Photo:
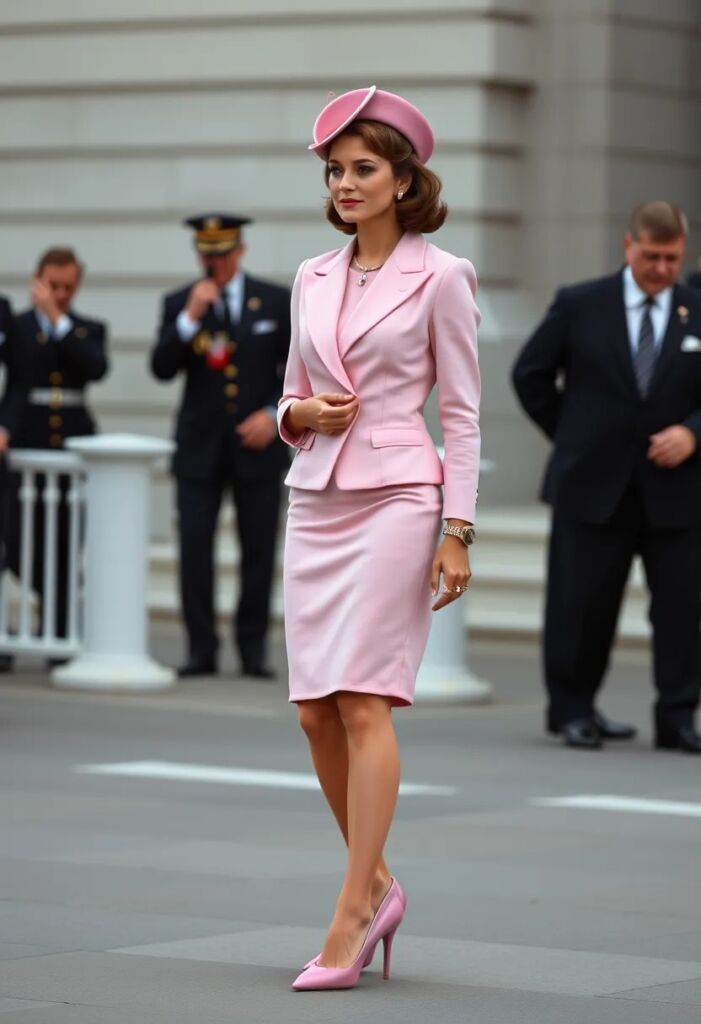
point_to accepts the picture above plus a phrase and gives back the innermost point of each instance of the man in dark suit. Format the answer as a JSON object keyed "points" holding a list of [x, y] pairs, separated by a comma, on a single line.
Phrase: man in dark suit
{"points": [[65, 352], [12, 408], [229, 334], [613, 377]]}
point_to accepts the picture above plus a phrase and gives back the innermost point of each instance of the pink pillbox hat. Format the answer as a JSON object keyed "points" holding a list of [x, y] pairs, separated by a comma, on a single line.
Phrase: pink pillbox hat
{"points": [[373, 104]]}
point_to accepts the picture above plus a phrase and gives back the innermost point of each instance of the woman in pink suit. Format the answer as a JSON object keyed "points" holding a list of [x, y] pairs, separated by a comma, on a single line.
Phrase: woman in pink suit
{"points": [[375, 325]]}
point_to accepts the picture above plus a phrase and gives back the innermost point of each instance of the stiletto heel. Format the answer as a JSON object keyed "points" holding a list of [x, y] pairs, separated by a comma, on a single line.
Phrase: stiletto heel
{"points": [[387, 943]]}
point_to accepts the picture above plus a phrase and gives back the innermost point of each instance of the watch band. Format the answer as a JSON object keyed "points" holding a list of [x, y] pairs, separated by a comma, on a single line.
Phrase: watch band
{"points": [[465, 533]]}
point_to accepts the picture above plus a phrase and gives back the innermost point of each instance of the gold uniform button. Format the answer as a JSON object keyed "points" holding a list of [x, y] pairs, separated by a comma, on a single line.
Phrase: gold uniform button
{"points": [[231, 371], [231, 407], [232, 346], [231, 390], [55, 378], [55, 440], [55, 422]]}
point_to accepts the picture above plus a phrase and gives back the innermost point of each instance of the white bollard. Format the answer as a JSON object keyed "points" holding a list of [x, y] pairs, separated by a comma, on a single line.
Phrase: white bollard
{"points": [[444, 676], [114, 654]]}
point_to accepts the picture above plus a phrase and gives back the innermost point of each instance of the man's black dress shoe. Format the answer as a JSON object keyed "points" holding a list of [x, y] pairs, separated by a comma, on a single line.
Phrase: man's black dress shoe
{"points": [[258, 671], [609, 730], [681, 737], [206, 667], [7, 662], [581, 733]]}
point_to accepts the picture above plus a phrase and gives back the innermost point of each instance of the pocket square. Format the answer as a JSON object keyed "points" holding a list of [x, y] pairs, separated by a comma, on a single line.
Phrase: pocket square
{"points": [[263, 326], [691, 344]]}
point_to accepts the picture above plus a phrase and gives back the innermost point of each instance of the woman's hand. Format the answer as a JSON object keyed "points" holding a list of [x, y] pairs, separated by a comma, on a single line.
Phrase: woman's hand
{"points": [[453, 563], [325, 413]]}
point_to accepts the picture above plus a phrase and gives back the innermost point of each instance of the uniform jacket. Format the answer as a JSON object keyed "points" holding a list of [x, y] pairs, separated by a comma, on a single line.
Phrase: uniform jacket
{"points": [[17, 380], [598, 422], [215, 401], [79, 358], [415, 326]]}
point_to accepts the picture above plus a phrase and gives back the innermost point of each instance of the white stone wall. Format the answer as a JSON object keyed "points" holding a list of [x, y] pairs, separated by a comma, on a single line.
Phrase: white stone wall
{"points": [[119, 119]]}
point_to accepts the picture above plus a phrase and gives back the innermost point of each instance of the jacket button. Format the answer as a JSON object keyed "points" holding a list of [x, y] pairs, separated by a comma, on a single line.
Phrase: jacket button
{"points": [[231, 390], [231, 371], [55, 378], [55, 422], [55, 440], [231, 407]]}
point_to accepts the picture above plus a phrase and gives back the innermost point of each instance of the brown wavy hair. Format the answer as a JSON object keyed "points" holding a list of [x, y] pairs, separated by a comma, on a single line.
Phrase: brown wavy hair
{"points": [[421, 209]]}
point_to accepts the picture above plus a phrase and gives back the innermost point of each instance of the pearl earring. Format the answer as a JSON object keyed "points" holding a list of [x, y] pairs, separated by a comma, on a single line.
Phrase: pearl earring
{"points": [[400, 195]]}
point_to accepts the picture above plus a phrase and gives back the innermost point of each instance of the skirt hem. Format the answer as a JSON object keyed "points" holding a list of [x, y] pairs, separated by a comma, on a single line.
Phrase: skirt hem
{"points": [[398, 700]]}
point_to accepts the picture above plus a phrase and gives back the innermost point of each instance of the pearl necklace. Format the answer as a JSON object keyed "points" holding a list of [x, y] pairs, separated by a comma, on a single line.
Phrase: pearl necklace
{"points": [[365, 271]]}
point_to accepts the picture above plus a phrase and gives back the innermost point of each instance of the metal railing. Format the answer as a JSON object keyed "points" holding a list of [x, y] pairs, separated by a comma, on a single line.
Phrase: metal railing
{"points": [[47, 479]]}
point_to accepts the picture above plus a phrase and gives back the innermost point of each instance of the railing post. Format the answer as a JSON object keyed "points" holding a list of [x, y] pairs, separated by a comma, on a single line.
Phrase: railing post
{"points": [[114, 654]]}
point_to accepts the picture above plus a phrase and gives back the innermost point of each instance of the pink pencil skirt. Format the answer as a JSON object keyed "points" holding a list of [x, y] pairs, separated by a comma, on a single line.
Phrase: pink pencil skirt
{"points": [[358, 589]]}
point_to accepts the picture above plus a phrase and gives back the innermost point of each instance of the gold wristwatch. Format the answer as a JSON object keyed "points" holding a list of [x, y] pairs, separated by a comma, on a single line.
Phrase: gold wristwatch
{"points": [[465, 533]]}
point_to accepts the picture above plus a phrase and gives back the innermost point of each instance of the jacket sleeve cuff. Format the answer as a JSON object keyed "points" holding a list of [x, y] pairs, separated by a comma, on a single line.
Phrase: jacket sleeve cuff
{"points": [[304, 440]]}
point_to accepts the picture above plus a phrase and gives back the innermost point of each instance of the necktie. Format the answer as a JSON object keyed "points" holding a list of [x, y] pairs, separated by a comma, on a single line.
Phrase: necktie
{"points": [[225, 314], [645, 355]]}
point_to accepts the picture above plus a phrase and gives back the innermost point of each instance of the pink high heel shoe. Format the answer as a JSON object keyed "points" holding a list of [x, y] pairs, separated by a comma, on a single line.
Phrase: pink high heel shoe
{"points": [[382, 928], [371, 953]]}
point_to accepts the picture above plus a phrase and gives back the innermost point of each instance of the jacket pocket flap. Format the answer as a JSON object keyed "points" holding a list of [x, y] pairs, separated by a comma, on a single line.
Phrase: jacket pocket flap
{"points": [[384, 437]]}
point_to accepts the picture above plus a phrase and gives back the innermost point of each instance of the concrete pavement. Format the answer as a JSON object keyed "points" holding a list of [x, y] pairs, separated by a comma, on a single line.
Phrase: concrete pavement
{"points": [[135, 900]]}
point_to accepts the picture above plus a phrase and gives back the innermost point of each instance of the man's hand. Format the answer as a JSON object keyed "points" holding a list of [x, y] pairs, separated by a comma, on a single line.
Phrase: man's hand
{"points": [[41, 297], [257, 431], [201, 297], [671, 447]]}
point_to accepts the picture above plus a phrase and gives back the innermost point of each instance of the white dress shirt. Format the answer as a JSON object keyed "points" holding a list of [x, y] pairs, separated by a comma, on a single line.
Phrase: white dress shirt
{"points": [[57, 331], [233, 290], [634, 299]]}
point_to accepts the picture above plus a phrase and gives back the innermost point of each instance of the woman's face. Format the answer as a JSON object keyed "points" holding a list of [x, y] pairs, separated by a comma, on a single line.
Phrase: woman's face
{"points": [[361, 183]]}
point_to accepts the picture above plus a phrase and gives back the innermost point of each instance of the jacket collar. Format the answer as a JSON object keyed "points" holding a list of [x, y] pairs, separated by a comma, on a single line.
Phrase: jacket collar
{"points": [[403, 273]]}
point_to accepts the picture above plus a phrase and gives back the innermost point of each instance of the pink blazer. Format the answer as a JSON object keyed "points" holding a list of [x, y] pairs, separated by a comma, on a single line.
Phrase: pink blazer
{"points": [[416, 326]]}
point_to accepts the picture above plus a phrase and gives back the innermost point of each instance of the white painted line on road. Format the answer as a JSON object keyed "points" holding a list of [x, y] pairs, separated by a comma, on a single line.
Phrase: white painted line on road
{"points": [[624, 804], [234, 776]]}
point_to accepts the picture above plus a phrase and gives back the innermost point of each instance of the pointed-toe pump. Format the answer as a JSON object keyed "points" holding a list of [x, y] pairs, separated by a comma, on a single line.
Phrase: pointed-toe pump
{"points": [[382, 928], [371, 953]]}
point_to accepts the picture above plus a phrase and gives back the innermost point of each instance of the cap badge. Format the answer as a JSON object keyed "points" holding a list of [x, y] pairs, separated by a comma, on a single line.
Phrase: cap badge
{"points": [[212, 224]]}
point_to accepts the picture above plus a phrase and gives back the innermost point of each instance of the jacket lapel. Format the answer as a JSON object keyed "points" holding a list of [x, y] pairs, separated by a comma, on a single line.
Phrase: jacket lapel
{"points": [[324, 287], [402, 275], [619, 341], [671, 344]]}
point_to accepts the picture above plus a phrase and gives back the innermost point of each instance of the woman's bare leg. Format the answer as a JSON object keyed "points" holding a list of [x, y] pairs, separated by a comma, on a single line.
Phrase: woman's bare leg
{"points": [[328, 745], [373, 784]]}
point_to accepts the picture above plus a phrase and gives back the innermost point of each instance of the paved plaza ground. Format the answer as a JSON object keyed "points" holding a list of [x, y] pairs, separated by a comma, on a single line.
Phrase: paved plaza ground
{"points": [[149, 898]]}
